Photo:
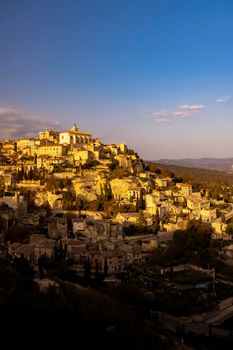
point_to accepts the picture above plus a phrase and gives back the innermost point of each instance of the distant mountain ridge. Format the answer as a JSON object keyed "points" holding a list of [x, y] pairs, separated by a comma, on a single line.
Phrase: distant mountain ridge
{"points": [[222, 164]]}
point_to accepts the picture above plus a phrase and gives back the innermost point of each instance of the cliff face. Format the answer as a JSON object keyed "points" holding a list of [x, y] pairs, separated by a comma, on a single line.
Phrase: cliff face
{"points": [[121, 187], [47, 197], [90, 185]]}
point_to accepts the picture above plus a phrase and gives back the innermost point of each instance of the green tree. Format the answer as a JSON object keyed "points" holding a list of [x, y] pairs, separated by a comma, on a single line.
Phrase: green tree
{"points": [[223, 219], [107, 192], [2, 186], [190, 245], [113, 165], [52, 183], [24, 268], [142, 203], [18, 233], [105, 267], [31, 174], [137, 204], [167, 173], [90, 164], [3, 225], [60, 252], [43, 263], [156, 222], [68, 200], [87, 271], [141, 222], [119, 173], [153, 167], [229, 229]]}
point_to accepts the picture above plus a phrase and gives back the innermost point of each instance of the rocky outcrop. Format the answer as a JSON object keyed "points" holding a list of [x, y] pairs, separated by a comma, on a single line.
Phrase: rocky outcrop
{"points": [[44, 197]]}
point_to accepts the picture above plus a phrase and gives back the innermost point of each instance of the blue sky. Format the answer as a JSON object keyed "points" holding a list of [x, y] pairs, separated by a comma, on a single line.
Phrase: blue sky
{"points": [[155, 74]]}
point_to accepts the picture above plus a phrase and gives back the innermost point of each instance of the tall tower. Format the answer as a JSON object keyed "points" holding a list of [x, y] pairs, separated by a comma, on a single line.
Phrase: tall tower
{"points": [[74, 127]]}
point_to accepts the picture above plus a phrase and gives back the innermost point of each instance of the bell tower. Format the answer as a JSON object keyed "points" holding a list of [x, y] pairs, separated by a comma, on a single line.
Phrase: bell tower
{"points": [[74, 128]]}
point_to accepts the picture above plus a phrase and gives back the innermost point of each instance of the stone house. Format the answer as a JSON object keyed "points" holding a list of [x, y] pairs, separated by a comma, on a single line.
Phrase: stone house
{"points": [[17, 250], [45, 247], [57, 227]]}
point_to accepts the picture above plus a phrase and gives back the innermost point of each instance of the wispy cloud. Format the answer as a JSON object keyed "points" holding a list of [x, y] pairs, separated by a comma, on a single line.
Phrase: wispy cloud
{"points": [[192, 107], [16, 123], [223, 99], [163, 120], [182, 114], [165, 115], [161, 113], [9, 110]]}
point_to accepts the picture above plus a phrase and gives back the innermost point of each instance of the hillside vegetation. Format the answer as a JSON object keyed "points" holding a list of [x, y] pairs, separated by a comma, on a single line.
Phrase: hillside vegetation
{"points": [[199, 175]]}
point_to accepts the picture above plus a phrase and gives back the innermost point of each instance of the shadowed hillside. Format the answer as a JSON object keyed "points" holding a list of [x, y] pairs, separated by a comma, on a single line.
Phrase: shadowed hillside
{"points": [[201, 175], [221, 164]]}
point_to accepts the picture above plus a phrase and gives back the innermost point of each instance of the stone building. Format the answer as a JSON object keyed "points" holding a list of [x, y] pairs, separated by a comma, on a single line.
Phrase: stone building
{"points": [[74, 137]]}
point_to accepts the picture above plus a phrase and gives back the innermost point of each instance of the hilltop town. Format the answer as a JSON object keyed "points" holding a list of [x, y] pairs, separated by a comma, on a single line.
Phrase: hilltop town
{"points": [[100, 202], [78, 215]]}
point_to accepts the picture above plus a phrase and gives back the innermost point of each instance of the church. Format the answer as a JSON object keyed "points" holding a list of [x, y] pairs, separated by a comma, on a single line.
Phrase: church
{"points": [[74, 137]]}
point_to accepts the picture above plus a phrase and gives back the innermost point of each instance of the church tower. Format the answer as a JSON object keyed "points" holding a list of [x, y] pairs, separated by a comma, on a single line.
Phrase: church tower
{"points": [[74, 128]]}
